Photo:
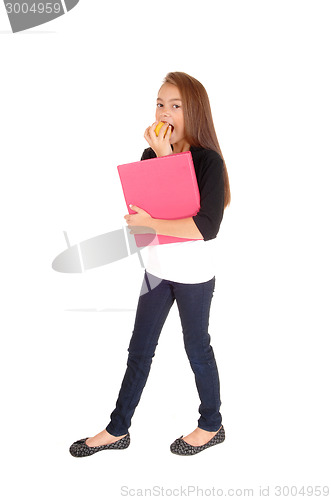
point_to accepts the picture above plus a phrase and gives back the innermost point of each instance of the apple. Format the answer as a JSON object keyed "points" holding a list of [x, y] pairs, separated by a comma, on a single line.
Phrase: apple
{"points": [[159, 126]]}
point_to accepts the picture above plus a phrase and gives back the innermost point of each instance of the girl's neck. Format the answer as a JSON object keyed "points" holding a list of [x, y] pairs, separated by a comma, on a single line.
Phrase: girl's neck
{"points": [[180, 147]]}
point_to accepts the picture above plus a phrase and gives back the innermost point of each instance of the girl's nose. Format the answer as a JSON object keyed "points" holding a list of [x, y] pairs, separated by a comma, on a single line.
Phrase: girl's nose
{"points": [[165, 112]]}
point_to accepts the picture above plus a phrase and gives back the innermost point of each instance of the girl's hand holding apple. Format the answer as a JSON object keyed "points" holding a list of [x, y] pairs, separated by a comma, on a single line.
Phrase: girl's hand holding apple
{"points": [[158, 137]]}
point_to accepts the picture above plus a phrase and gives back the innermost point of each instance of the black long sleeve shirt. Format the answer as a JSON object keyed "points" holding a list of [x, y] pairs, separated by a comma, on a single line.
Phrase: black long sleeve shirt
{"points": [[208, 165]]}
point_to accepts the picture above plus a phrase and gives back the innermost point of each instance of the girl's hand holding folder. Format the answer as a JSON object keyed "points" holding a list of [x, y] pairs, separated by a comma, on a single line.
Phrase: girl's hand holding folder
{"points": [[141, 219]]}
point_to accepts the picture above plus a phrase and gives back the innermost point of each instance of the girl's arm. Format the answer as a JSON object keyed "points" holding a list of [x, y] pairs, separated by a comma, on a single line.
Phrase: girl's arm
{"points": [[181, 228], [206, 223]]}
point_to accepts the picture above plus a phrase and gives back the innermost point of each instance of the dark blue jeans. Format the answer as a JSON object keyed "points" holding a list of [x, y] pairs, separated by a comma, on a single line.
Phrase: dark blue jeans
{"points": [[193, 303]]}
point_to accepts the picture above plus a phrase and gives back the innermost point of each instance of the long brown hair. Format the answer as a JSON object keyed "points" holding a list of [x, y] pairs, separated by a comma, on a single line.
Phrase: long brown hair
{"points": [[199, 125]]}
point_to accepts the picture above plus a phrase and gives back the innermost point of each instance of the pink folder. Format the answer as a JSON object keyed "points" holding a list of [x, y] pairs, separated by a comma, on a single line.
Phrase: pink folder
{"points": [[165, 187]]}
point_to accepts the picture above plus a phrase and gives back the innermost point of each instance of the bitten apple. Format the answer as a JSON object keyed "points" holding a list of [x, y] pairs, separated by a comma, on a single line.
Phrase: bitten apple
{"points": [[159, 126]]}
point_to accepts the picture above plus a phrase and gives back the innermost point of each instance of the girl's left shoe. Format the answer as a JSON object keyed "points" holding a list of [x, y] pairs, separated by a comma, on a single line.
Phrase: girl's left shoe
{"points": [[180, 447]]}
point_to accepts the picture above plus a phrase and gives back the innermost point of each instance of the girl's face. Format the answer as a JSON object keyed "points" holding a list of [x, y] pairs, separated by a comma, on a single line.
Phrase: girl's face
{"points": [[169, 109]]}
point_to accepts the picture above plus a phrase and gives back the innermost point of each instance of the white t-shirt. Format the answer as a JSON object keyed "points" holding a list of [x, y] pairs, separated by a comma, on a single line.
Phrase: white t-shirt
{"points": [[183, 262]]}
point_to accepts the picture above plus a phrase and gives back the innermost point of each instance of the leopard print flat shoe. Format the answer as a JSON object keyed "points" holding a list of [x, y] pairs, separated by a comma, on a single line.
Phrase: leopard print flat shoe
{"points": [[180, 447], [81, 449]]}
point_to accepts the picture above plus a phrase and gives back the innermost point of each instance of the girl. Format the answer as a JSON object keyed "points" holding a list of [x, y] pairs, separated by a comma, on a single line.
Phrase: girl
{"points": [[182, 271]]}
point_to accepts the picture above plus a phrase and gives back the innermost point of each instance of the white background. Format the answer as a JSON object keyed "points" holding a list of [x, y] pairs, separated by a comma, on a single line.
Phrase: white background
{"points": [[76, 96]]}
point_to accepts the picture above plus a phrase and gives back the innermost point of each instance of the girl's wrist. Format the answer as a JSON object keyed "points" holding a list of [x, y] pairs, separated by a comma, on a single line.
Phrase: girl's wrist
{"points": [[163, 152]]}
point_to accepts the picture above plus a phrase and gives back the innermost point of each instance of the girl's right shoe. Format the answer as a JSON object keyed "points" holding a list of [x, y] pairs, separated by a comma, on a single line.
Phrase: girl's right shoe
{"points": [[81, 449]]}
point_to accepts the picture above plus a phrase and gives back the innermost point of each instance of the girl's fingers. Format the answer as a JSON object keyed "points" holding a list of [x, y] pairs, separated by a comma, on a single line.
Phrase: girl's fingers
{"points": [[149, 131], [162, 131], [157, 141], [147, 135], [168, 133]]}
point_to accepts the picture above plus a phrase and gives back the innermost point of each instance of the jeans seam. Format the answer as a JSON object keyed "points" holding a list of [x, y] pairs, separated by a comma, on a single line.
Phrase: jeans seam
{"points": [[213, 374]]}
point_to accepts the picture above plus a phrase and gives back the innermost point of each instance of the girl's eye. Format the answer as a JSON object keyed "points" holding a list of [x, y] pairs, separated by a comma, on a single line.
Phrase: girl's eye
{"points": [[159, 105]]}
